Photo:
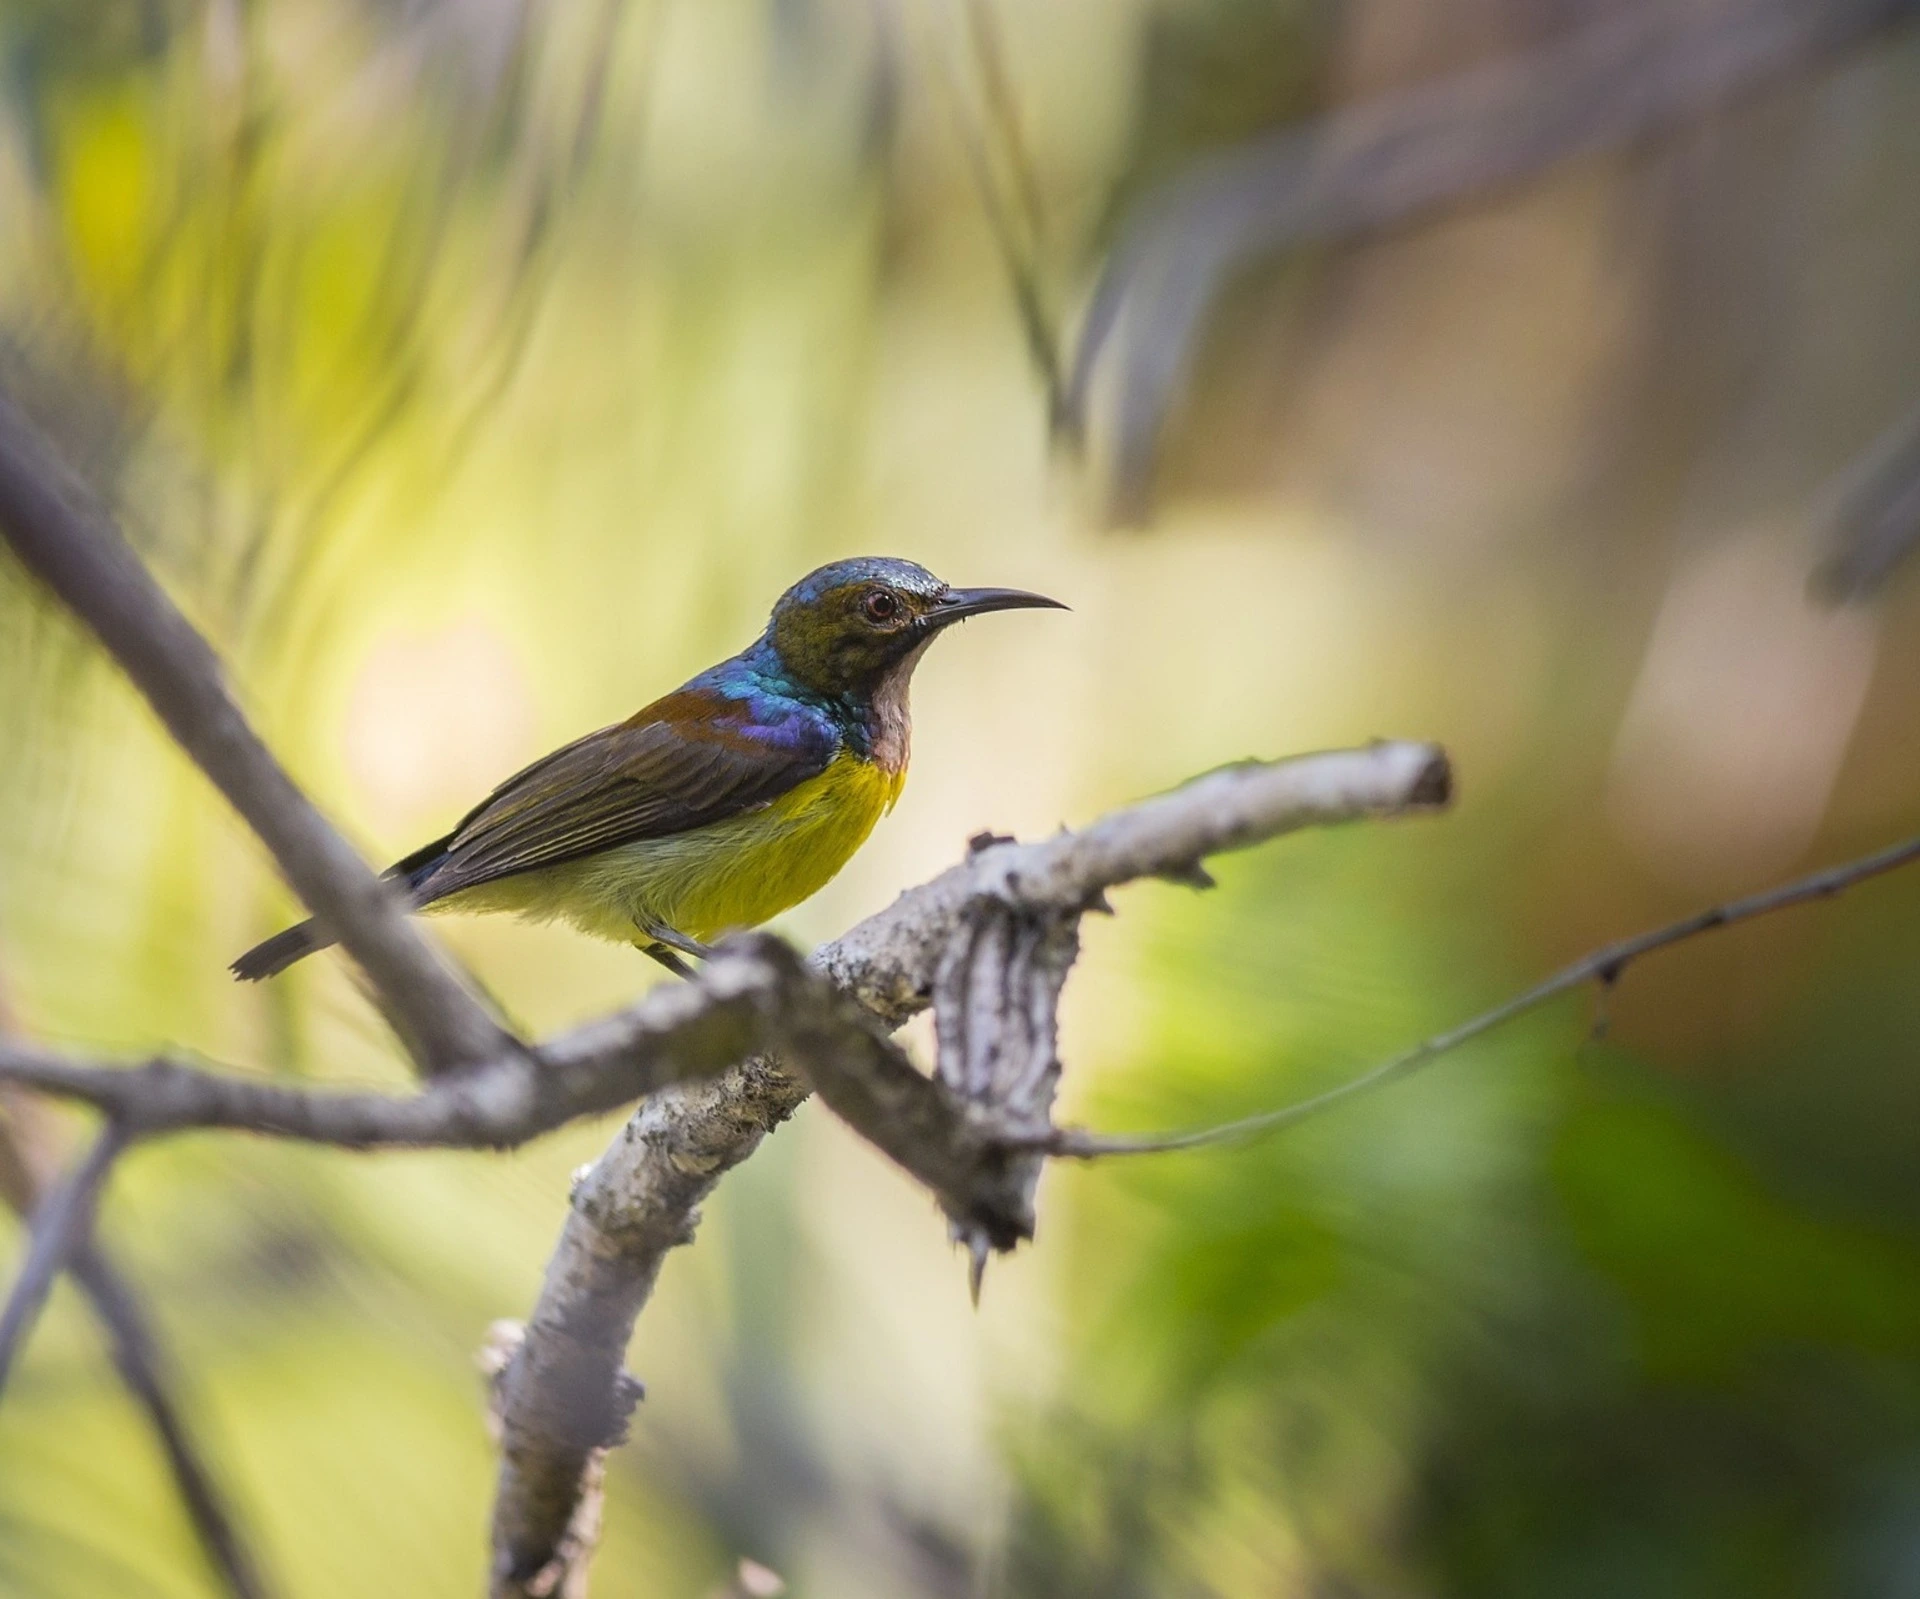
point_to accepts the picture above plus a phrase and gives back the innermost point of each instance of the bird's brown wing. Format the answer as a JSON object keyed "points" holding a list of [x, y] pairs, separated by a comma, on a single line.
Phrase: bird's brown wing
{"points": [[686, 761]]}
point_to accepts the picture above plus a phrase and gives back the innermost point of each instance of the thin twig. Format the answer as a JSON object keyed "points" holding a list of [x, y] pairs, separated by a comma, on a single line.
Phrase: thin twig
{"points": [[61, 1224], [140, 1360], [1604, 966]]}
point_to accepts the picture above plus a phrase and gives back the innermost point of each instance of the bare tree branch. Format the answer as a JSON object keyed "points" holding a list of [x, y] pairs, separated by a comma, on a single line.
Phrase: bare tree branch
{"points": [[676, 1031], [60, 1226], [889, 962], [565, 1574], [64, 537], [564, 1394], [1604, 966], [1630, 76]]}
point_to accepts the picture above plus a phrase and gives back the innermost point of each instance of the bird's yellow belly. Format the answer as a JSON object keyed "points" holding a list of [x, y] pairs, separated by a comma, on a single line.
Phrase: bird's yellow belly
{"points": [[712, 880]]}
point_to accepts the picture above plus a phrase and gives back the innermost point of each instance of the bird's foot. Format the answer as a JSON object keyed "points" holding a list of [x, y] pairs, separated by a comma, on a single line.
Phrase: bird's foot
{"points": [[668, 946], [667, 958]]}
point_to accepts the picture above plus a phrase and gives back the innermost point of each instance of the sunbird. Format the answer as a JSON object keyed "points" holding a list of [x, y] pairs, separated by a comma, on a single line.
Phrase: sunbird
{"points": [[718, 806]]}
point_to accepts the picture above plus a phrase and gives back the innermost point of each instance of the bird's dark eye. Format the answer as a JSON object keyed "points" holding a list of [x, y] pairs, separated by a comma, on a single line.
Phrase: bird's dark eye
{"points": [[881, 606]]}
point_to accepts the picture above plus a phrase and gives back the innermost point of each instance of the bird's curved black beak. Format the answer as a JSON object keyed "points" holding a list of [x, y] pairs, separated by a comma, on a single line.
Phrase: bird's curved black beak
{"points": [[956, 605]]}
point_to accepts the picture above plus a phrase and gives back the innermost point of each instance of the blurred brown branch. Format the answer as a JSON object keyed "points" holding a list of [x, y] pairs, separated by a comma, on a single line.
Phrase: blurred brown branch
{"points": [[1626, 78], [142, 1364], [1018, 223]]}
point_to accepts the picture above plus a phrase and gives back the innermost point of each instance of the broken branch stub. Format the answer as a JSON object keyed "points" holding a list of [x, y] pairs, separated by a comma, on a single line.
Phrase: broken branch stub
{"points": [[996, 1001]]}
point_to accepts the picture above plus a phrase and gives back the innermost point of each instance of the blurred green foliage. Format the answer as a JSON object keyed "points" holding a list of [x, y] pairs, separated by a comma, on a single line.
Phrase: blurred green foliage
{"points": [[1540, 1323]]}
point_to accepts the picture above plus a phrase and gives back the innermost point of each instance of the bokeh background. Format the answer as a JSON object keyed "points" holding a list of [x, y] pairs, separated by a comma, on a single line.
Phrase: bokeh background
{"points": [[474, 370]]}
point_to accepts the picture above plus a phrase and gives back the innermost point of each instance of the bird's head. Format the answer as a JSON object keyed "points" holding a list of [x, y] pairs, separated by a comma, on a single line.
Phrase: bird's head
{"points": [[848, 627]]}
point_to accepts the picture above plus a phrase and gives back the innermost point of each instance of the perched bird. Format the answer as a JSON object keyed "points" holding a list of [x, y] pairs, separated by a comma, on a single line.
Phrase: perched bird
{"points": [[717, 807]]}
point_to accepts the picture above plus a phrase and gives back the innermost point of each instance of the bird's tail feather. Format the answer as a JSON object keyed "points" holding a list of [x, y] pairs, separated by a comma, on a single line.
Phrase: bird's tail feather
{"points": [[279, 952], [305, 938]]}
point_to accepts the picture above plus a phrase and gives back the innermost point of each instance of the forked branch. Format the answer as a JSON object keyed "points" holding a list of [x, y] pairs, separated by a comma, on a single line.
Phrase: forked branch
{"points": [[141, 1361], [58, 1230], [564, 1393]]}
